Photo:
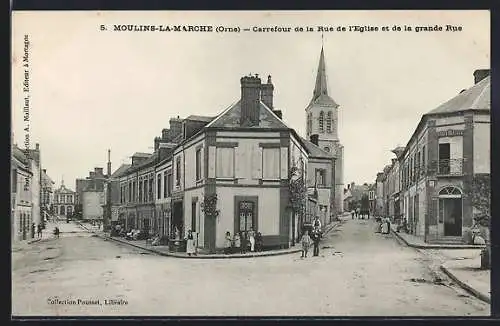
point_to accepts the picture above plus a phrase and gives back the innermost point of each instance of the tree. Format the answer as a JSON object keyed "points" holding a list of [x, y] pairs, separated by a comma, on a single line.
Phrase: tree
{"points": [[481, 201], [298, 193]]}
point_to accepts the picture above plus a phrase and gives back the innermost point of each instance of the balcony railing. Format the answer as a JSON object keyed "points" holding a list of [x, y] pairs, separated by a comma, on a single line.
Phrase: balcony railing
{"points": [[446, 167]]}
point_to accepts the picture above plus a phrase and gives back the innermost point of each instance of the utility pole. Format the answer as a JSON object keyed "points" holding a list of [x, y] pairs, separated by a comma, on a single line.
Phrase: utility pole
{"points": [[107, 214]]}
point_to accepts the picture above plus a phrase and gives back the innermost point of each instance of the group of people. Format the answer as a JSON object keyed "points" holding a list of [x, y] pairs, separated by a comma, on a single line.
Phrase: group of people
{"points": [[307, 240], [38, 228], [383, 225], [360, 215], [243, 241]]}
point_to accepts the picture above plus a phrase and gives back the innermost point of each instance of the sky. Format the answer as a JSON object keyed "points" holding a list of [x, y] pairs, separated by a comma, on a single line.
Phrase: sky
{"points": [[93, 90]]}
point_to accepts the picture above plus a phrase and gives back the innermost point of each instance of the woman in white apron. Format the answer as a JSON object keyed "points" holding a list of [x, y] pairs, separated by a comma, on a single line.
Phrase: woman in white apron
{"points": [[251, 238]]}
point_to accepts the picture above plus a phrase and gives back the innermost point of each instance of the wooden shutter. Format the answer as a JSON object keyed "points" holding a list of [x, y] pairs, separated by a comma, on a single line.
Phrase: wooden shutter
{"points": [[211, 161], [257, 163], [284, 163]]}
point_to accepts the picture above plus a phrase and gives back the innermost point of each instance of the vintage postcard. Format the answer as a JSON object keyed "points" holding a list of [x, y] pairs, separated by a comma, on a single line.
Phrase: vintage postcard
{"points": [[261, 163]]}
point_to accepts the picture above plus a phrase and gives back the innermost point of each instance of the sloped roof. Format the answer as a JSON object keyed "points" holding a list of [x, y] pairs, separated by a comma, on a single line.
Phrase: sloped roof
{"points": [[477, 97], [46, 178], [320, 93], [120, 170], [19, 154], [200, 118], [315, 151], [231, 118], [139, 154], [63, 189]]}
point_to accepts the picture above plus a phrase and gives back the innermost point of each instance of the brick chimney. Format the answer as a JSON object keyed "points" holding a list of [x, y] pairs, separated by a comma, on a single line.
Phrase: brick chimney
{"points": [[314, 139], [165, 133], [266, 93], [175, 127], [91, 174], [480, 74], [157, 143], [250, 100], [98, 172]]}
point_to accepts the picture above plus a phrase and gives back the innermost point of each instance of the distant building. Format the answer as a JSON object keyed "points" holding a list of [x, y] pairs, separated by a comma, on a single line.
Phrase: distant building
{"points": [[64, 201], [91, 196], [47, 196]]}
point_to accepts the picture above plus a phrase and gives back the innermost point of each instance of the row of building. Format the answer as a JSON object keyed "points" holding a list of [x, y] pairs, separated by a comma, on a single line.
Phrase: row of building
{"points": [[429, 183], [238, 164]]}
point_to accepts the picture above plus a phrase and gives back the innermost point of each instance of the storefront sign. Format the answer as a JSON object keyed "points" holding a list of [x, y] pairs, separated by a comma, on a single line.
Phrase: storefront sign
{"points": [[450, 133]]}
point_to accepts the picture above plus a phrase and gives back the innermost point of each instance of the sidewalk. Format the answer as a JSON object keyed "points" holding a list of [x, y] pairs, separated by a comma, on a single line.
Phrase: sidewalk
{"points": [[418, 242], [164, 251], [459, 262], [470, 277]]}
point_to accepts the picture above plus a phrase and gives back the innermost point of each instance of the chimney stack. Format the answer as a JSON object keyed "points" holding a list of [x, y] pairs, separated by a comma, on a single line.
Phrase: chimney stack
{"points": [[37, 146], [44, 171], [266, 93], [157, 143], [480, 74], [165, 133], [250, 100], [98, 172], [91, 174], [278, 113], [175, 127], [314, 139]]}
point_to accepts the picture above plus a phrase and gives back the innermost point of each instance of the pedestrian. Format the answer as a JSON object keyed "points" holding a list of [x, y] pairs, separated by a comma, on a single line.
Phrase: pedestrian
{"points": [[251, 238], [237, 242], [190, 247], [227, 243], [33, 231], [258, 242], [352, 213], [306, 242], [356, 212], [56, 232], [39, 231], [315, 238]]}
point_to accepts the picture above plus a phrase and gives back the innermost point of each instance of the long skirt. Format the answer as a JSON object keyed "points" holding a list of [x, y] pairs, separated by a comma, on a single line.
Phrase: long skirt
{"points": [[252, 243], [190, 248]]}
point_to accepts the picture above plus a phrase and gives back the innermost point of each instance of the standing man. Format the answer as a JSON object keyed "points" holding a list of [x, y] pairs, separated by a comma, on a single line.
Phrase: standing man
{"points": [[315, 238], [33, 231], [39, 231]]}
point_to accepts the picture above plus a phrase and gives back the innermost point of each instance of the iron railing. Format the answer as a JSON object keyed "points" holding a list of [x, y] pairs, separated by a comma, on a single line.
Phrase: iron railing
{"points": [[446, 167]]}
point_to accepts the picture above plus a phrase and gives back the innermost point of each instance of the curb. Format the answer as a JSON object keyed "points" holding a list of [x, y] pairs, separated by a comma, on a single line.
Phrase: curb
{"points": [[465, 286], [176, 255], [33, 241], [434, 246]]}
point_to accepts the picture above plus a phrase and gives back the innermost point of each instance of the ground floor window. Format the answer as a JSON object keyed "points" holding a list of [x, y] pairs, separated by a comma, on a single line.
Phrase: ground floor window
{"points": [[246, 216]]}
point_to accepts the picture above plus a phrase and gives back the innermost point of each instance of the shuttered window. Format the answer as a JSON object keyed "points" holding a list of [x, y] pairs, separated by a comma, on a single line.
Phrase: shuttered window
{"points": [[225, 162], [270, 163]]}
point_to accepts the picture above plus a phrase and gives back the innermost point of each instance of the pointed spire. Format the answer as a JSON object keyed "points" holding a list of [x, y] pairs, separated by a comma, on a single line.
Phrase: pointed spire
{"points": [[321, 87], [62, 180]]}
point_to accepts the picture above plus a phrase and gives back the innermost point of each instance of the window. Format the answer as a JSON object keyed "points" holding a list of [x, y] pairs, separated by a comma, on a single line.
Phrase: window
{"points": [[140, 191], [150, 192], [321, 121], [327, 149], [129, 191], [14, 180], [329, 122], [178, 172], [158, 186], [134, 191], [198, 164], [170, 183], [423, 156], [270, 163], [165, 184], [310, 122], [225, 162], [320, 177], [145, 195]]}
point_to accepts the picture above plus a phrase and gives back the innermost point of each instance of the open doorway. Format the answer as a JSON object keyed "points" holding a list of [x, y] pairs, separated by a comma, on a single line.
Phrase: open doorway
{"points": [[177, 219]]}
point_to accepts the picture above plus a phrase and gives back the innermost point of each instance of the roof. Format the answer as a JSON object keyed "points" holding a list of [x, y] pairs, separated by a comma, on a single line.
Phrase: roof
{"points": [[320, 93], [139, 154], [63, 189], [200, 118], [477, 97], [315, 151], [120, 170], [46, 178], [19, 154], [231, 118]]}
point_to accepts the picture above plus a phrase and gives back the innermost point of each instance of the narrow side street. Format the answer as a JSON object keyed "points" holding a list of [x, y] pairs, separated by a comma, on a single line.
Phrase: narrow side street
{"points": [[358, 273]]}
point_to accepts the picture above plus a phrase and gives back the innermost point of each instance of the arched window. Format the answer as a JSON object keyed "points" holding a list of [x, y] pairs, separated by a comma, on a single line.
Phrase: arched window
{"points": [[447, 191], [321, 121], [308, 123], [329, 122]]}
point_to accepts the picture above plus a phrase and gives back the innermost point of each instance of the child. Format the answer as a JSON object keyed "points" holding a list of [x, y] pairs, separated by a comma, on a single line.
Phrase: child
{"points": [[228, 243], [237, 243], [306, 242]]}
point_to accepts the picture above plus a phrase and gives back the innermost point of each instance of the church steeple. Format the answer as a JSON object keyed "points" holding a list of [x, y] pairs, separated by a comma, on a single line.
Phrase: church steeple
{"points": [[321, 87]]}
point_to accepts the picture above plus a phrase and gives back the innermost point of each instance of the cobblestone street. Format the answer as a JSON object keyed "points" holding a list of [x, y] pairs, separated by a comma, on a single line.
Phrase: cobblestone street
{"points": [[358, 273]]}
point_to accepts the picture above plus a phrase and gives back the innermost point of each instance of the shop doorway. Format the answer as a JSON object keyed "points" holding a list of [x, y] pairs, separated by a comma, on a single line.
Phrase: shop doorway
{"points": [[450, 211]]}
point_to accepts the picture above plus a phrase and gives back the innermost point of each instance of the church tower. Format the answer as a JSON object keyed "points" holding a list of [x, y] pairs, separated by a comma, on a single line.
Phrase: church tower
{"points": [[322, 120]]}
